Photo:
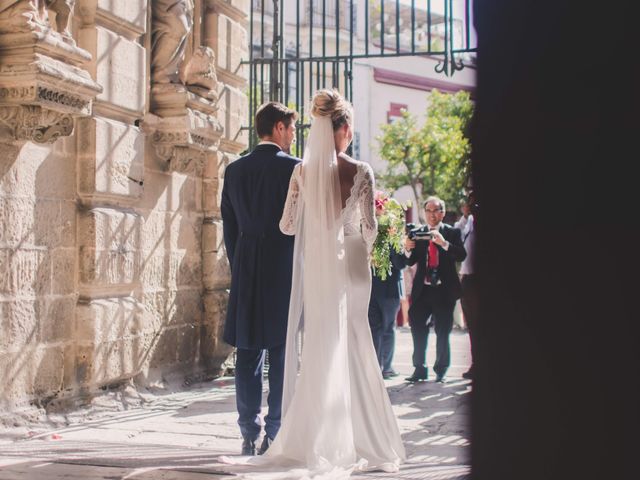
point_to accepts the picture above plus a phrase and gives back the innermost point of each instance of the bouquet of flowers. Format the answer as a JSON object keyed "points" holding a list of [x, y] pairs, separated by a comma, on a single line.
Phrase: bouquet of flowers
{"points": [[390, 215]]}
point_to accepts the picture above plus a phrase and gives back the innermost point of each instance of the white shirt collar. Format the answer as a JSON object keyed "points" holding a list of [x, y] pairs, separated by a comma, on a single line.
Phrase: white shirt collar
{"points": [[265, 142], [437, 227]]}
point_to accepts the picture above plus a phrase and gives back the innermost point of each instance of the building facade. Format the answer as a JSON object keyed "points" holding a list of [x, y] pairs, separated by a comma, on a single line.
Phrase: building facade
{"points": [[117, 118]]}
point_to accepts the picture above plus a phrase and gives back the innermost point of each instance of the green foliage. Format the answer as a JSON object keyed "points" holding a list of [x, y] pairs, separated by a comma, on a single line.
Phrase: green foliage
{"points": [[390, 216], [433, 159]]}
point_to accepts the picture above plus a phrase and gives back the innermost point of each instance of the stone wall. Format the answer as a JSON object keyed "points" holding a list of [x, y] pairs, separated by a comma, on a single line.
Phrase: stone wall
{"points": [[112, 265]]}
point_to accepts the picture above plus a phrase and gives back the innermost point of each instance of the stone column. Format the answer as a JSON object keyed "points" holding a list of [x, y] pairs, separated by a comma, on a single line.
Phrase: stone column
{"points": [[111, 340], [45, 87], [225, 32]]}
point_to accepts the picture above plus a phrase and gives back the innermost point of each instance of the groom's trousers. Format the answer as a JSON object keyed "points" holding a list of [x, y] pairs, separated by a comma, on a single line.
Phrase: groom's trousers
{"points": [[249, 368], [433, 302]]}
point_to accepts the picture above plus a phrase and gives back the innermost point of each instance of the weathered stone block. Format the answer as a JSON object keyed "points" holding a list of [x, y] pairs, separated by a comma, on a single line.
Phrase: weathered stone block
{"points": [[63, 278], [68, 223], [210, 171], [190, 270], [213, 184], [36, 168], [110, 229], [25, 272], [47, 223], [132, 12], [19, 324], [159, 193], [31, 372], [49, 372], [216, 35], [160, 307], [188, 194], [164, 348], [172, 307], [108, 362], [108, 267], [210, 202], [214, 351], [5, 341], [189, 306], [160, 271], [188, 339], [216, 271], [16, 218], [163, 232], [111, 158], [109, 320], [109, 246], [212, 236], [232, 113], [56, 316], [29, 222], [121, 70], [156, 233], [228, 38], [237, 47], [242, 5]]}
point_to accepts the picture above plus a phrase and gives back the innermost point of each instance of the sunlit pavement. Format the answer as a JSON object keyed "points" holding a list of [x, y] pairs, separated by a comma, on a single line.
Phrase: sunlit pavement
{"points": [[179, 435]]}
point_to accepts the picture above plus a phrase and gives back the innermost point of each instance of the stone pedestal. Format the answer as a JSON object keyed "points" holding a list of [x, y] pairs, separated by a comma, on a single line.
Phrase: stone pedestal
{"points": [[43, 86], [186, 129]]}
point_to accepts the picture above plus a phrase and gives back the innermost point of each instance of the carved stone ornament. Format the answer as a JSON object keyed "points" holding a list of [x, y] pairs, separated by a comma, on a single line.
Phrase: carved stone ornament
{"points": [[172, 22], [43, 85], [22, 16], [36, 124], [184, 142], [199, 70]]}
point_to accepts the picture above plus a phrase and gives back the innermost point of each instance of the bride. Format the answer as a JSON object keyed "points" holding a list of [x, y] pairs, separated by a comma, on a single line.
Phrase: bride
{"points": [[337, 416]]}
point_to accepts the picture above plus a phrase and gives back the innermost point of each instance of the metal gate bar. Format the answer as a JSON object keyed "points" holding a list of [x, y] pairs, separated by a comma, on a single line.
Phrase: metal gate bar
{"points": [[280, 70]]}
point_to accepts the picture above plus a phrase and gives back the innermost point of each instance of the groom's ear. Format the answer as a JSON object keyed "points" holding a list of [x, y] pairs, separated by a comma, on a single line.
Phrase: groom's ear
{"points": [[279, 126]]}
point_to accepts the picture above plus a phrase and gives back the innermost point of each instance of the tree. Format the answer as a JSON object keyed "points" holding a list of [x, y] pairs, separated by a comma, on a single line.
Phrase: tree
{"points": [[433, 159]]}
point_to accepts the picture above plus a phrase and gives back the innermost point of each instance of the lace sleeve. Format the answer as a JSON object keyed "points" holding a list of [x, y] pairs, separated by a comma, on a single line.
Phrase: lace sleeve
{"points": [[367, 208], [289, 220]]}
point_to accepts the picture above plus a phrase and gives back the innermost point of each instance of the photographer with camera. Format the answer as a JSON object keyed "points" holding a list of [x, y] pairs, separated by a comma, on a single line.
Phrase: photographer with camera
{"points": [[435, 248]]}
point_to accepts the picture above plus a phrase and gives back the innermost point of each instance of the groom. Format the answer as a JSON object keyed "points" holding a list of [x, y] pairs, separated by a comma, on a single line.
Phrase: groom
{"points": [[253, 197]]}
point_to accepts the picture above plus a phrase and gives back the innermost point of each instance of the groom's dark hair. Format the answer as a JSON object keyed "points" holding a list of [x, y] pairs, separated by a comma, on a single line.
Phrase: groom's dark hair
{"points": [[268, 114]]}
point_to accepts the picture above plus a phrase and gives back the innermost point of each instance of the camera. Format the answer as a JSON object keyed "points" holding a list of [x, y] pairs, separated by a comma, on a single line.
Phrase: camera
{"points": [[418, 233]]}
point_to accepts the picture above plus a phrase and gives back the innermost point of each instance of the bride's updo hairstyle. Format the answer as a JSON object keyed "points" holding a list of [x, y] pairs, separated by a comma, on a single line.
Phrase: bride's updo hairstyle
{"points": [[329, 103]]}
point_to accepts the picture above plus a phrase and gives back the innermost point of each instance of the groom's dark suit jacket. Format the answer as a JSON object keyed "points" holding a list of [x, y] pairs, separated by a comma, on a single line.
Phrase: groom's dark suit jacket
{"points": [[447, 263], [253, 197]]}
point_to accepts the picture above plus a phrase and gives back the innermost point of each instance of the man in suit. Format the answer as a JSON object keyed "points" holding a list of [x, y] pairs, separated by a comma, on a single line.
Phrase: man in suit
{"points": [[383, 308], [253, 196], [435, 290]]}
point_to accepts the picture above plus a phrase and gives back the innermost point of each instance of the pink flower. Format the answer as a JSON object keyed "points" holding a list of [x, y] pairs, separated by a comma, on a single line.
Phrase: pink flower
{"points": [[381, 199]]}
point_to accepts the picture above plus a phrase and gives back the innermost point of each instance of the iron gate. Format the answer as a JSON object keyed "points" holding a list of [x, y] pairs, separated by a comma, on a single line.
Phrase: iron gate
{"points": [[313, 43]]}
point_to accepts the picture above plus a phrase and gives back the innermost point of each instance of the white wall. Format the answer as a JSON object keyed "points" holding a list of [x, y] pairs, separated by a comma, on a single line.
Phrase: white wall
{"points": [[372, 101]]}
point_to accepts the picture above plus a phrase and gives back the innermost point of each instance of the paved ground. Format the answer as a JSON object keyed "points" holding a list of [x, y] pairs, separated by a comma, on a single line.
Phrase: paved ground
{"points": [[178, 435]]}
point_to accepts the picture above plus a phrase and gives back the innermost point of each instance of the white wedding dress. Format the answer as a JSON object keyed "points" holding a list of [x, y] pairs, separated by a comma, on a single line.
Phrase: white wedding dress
{"points": [[337, 416]]}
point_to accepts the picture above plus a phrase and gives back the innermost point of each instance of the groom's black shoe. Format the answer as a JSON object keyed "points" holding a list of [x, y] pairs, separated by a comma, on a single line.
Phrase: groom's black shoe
{"points": [[248, 447], [419, 375], [266, 443]]}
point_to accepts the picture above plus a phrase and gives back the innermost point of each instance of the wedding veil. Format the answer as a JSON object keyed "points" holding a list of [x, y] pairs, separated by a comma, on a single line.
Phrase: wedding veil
{"points": [[317, 329]]}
